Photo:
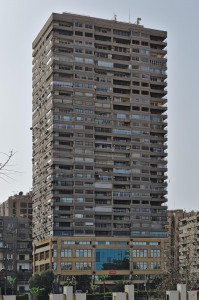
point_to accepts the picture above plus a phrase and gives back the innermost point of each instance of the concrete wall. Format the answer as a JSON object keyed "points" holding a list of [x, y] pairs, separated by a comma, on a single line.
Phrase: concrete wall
{"points": [[192, 295], [119, 296], [129, 289], [181, 288], [68, 291], [172, 295], [80, 296]]}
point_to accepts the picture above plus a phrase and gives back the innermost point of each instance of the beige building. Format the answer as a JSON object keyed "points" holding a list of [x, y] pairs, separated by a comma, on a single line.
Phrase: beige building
{"points": [[99, 147], [188, 245], [17, 206], [172, 251]]}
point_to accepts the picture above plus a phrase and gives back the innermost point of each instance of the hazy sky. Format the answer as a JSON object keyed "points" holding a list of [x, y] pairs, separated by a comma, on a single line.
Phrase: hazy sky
{"points": [[21, 20]]}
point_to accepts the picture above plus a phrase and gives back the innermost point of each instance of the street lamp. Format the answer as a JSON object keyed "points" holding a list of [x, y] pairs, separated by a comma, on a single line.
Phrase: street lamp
{"points": [[74, 282], [145, 283]]}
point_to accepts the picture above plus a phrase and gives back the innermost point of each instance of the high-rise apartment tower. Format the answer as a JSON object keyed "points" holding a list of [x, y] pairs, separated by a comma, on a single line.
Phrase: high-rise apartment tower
{"points": [[99, 143]]}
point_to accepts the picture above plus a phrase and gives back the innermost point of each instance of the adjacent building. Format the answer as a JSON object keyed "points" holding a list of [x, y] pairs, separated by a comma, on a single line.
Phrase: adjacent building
{"points": [[189, 246], [99, 148], [15, 253], [16, 242], [19, 205], [172, 249]]}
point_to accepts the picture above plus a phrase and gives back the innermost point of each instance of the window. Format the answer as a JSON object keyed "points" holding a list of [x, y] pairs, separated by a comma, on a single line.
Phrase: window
{"points": [[140, 265], [66, 253], [83, 253], [88, 34], [83, 242], [21, 257], [89, 26], [139, 243], [112, 259], [155, 265], [54, 253], [155, 252], [66, 266], [69, 242], [79, 33], [79, 216], [77, 24], [104, 64], [83, 265], [22, 225], [140, 253]]}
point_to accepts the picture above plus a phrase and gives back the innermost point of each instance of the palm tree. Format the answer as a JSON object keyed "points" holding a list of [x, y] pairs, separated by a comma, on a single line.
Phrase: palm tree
{"points": [[103, 278], [12, 281], [35, 292], [94, 288]]}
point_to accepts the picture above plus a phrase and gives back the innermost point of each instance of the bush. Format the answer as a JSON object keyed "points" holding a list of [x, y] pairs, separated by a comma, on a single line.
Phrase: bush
{"points": [[22, 297]]}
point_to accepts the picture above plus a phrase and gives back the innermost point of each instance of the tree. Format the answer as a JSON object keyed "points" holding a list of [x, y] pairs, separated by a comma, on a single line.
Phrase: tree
{"points": [[181, 254], [83, 282], [5, 168], [12, 281], [94, 288], [35, 292], [119, 285], [185, 270], [103, 278], [43, 281]]}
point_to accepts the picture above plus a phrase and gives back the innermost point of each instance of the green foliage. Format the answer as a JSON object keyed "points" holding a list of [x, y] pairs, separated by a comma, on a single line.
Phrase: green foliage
{"points": [[12, 281], [22, 297], [99, 296], [43, 281], [94, 288], [69, 283], [119, 285], [103, 277], [83, 282], [35, 292]]}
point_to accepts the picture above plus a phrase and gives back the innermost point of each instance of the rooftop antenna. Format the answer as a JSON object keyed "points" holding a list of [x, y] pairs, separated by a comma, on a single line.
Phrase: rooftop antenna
{"points": [[129, 15], [115, 17], [138, 21]]}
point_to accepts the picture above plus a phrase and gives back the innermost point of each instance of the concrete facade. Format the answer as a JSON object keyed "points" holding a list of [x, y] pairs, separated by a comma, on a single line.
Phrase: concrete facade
{"points": [[99, 136], [17, 206], [188, 246], [15, 252], [172, 249]]}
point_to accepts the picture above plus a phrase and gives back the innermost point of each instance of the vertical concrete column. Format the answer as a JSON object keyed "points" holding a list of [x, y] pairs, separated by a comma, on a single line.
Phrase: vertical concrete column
{"points": [[118, 296], [172, 295], [129, 289], [192, 295], [181, 288], [68, 291], [80, 296]]}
